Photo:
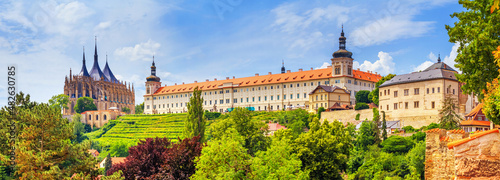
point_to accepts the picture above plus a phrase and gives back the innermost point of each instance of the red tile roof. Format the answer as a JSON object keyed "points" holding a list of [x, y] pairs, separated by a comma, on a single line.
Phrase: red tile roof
{"points": [[93, 152], [475, 123], [275, 126], [265, 79], [117, 160], [470, 138]]}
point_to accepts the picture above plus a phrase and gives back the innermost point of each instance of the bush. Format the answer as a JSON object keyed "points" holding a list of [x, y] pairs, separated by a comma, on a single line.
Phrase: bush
{"points": [[409, 129], [211, 115], [397, 144], [419, 136], [432, 126], [357, 116], [360, 106]]}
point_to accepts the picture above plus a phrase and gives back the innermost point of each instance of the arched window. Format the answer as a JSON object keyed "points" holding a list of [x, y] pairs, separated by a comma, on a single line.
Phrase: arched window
{"points": [[104, 117]]}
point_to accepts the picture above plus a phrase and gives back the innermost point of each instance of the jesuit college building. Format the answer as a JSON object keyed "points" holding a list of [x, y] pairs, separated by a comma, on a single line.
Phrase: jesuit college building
{"points": [[268, 92]]}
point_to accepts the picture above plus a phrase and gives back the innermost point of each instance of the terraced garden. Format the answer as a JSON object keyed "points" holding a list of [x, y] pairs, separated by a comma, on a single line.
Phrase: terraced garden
{"points": [[132, 128]]}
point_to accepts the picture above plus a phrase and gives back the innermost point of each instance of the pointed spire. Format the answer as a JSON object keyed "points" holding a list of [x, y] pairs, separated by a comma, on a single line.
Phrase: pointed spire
{"points": [[439, 57], [342, 33], [96, 72], [84, 71], [153, 60], [283, 66]]}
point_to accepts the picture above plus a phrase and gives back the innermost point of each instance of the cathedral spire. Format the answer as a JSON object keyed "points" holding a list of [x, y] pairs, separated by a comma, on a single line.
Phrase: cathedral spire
{"points": [[283, 66], [95, 72], [84, 71]]}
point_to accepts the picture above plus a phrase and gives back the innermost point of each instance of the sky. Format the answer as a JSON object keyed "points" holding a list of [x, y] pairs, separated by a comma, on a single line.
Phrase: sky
{"points": [[205, 39]]}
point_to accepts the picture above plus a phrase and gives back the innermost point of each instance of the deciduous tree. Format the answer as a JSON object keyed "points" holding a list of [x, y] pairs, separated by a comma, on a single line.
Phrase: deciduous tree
{"points": [[195, 121], [362, 96], [476, 31], [179, 159], [375, 92], [84, 104], [59, 101]]}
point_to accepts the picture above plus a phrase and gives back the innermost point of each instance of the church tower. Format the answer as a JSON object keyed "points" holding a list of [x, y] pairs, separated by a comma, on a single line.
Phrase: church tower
{"points": [[152, 82], [342, 59]]}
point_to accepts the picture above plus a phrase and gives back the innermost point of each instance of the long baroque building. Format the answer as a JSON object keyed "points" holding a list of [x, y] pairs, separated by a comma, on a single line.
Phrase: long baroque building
{"points": [[268, 92], [101, 86]]}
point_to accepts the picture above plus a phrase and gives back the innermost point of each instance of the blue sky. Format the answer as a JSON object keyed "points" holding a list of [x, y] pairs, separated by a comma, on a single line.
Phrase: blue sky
{"points": [[207, 39]]}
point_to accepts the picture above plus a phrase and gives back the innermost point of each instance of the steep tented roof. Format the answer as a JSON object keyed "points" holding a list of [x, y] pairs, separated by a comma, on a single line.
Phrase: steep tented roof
{"points": [[84, 71], [95, 72], [109, 75], [440, 65], [298, 76], [421, 76]]}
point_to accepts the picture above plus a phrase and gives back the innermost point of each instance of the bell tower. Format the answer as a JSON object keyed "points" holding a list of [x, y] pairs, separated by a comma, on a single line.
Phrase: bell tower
{"points": [[342, 59], [152, 82]]}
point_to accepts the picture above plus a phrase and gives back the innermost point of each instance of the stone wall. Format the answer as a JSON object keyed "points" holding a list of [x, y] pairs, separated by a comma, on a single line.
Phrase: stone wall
{"points": [[479, 158], [439, 160], [346, 116]]}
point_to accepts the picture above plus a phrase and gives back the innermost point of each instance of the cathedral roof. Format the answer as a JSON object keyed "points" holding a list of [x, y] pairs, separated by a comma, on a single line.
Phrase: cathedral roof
{"points": [[107, 72], [84, 71], [95, 72], [271, 79]]}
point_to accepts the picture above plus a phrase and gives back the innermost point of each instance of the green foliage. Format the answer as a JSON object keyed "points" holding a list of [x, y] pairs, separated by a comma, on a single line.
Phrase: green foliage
{"points": [[366, 135], [139, 108], [251, 130], [320, 110], [409, 129], [195, 121], [432, 126], [115, 176], [477, 33], [384, 127], [357, 116], [415, 159], [223, 158], [360, 106], [120, 148], [84, 104], [79, 131], [362, 97], [379, 165], [59, 101], [211, 115], [449, 118], [126, 110], [278, 162], [324, 150], [376, 123], [397, 144], [419, 136], [375, 93], [108, 163]]}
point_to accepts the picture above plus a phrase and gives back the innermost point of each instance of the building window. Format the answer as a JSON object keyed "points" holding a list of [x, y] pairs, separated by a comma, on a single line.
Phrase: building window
{"points": [[337, 70], [337, 81], [388, 107], [235, 100], [90, 117], [385, 92], [291, 96], [406, 91], [278, 107], [235, 90], [298, 85], [415, 104], [284, 96], [339, 97], [305, 95], [272, 98], [259, 98], [247, 99], [291, 85], [349, 70], [433, 90], [433, 104], [278, 98], [272, 87], [388, 92], [453, 91], [312, 84], [327, 82], [439, 89], [259, 88], [210, 102], [406, 105], [221, 101], [395, 93], [253, 99], [241, 100], [305, 84], [265, 98], [96, 117], [349, 81], [284, 86], [416, 91], [395, 106], [105, 117], [427, 90]]}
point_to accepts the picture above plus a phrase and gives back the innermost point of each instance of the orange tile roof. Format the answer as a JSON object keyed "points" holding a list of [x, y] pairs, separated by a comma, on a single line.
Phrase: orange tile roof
{"points": [[445, 138], [475, 123], [433, 130], [275, 126], [117, 160], [93, 152], [266, 79], [456, 131], [473, 113], [470, 138]]}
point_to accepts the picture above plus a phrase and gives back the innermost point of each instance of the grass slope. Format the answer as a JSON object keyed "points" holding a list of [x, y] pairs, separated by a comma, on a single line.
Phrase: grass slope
{"points": [[132, 128]]}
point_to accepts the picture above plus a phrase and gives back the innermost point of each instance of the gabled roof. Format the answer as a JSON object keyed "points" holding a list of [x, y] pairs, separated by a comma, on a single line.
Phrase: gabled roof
{"points": [[421, 76], [473, 113], [471, 137], [328, 89], [298, 76]]}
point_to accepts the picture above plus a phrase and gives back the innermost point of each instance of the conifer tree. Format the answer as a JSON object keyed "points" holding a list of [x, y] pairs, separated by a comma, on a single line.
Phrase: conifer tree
{"points": [[449, 119], [384, 126], [195, 122], [108, 163], [376, 122]]}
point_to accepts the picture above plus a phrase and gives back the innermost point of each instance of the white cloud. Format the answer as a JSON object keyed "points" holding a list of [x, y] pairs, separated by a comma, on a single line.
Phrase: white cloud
{"points": [[388, 29], [325, 65], [432, 57], [450, 59], [423, 66], [307, 42], [384, 65], [143, 51]]}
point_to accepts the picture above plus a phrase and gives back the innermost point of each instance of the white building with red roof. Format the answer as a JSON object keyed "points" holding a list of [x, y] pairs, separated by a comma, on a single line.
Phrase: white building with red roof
{"points": [[268, 92]]}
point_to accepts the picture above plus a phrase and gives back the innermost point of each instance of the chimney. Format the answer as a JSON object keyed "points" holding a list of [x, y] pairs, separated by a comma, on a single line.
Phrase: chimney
{"points": [[256, 74], [182, 82], [358, 69], [215, 79], [227, 78], [311, 68], [207, 80], [233, 77], [195, 81], [300, 70], [176, 84], [269, 73], [288, 71]]}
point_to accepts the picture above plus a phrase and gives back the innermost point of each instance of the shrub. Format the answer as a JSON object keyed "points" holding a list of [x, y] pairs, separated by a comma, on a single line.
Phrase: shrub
{"points": [[409, 129], [397, 144], [419, 136], [357, 116], [211, 115], [360, 106]]}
